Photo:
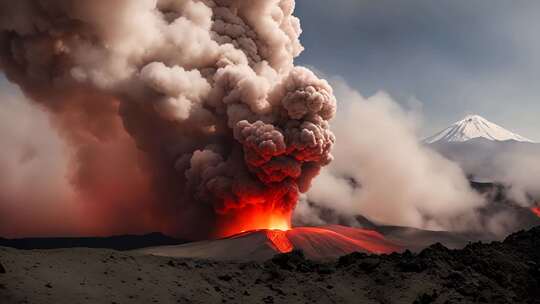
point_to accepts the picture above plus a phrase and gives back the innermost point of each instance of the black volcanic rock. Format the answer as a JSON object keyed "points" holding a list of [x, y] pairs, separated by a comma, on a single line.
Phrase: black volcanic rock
{"points": [[292, 261], [497, 272], [2, 269], [350, 259]]}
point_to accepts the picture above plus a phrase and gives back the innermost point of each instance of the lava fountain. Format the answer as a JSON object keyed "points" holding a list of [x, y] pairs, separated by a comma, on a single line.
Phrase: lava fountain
{"points": [[253, 219]]}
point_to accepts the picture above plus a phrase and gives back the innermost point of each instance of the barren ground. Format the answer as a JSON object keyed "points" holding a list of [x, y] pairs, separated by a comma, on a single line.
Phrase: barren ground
{"points": [[506, 272]]}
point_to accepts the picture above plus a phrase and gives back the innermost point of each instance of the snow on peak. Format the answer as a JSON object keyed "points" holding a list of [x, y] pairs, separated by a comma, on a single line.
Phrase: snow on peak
{"points": [[474, 126]]}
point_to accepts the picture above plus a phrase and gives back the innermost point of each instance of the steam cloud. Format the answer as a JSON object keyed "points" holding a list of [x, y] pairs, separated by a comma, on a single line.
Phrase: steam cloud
{"points": [[382, 172], [174, 113], [519, 170]]}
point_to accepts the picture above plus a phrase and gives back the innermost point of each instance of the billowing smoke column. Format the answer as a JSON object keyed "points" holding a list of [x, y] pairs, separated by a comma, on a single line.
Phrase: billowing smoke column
{"points": [[188, 113]]}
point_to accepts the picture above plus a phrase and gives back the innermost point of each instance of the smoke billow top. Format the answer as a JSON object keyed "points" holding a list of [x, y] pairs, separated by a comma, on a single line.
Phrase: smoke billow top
{"points": [[187, 116]]}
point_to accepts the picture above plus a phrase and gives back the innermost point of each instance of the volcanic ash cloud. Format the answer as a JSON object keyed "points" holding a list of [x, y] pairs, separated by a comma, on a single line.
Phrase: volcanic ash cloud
{"points": [[176, 112]]}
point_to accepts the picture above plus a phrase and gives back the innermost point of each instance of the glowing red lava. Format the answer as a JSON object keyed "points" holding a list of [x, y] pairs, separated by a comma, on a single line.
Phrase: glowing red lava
{"points": [[536, 210], [251, 219], [274, 222], [280, 241], [340, 239], [321, 242]]}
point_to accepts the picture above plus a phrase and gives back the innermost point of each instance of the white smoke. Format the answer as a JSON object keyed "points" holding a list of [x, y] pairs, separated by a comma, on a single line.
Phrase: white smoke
{"points": [[381, 170], [519, 169]]}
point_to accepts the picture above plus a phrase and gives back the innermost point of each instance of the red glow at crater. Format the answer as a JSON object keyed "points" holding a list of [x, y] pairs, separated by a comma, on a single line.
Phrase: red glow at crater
{"points": [[253, 218], [536, 210]]}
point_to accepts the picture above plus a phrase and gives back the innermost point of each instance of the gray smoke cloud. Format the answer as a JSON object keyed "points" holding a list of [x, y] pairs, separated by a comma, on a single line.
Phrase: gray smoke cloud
{"points": [[176, 112]]}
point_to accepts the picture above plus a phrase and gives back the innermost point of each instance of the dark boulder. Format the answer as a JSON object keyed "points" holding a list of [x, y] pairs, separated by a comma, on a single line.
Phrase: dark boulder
{"points": [[2, 269], [369, 264], [351, 259], [293, 261]]}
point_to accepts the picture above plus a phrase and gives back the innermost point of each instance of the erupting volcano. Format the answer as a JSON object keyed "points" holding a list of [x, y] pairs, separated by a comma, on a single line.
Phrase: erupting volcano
{"points": [[197, 104], [315, 242], [185, 117]]}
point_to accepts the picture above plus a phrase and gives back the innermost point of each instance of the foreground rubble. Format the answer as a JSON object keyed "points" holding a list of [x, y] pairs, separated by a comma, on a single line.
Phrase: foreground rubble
{"points": [[499, 272]]}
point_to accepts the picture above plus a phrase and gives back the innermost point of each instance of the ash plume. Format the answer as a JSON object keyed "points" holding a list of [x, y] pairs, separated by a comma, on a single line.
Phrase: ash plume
{"points": [[177, 115]]}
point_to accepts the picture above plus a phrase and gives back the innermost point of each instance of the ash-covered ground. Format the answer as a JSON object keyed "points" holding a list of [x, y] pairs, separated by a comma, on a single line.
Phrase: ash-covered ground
{"points": [[499, 272]]}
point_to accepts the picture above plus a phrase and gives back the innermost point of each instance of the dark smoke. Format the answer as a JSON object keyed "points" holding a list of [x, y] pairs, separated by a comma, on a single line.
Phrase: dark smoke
{"points": [[176, 113]]}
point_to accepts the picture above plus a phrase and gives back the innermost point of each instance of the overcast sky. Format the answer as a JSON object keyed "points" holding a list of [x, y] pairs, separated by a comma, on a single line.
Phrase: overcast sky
{"points": [[456, 57]]}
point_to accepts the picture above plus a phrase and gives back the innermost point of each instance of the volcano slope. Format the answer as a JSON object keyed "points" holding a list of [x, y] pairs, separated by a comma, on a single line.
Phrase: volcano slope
{"points": [[499, 272], [317, 243]]}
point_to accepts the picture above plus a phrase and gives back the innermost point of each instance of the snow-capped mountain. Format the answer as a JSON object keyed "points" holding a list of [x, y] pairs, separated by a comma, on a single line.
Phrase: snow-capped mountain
{"points": [[483, 149], [474, 126]]}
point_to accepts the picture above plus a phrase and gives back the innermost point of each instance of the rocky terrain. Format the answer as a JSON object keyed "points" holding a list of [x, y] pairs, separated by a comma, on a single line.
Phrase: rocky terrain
{"points": [[499, 272]]}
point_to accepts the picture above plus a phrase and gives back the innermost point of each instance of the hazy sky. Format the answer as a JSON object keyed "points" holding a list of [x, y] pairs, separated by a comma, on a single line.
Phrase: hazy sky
{"points": [[456, 57]]}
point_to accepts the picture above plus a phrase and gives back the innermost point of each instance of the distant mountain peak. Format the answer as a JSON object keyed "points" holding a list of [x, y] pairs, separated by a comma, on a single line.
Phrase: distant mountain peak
{"points": [[474, 126]]}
